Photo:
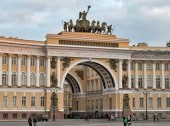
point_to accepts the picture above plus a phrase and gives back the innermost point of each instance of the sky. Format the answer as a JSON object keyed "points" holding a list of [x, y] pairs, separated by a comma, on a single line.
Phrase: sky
{"points": [[137, 20]]}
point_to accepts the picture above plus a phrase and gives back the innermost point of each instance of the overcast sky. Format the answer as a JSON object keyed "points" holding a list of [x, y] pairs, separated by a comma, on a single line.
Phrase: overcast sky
{"points": [[138, 20]]}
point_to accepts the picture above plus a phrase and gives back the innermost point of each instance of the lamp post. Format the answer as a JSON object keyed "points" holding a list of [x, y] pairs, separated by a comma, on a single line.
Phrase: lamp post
{"points": [[146, 92]]}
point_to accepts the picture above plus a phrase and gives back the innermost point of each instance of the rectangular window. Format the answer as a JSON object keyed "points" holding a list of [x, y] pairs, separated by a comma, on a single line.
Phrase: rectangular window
{"points": [[24, 101], [157, 66], [132, 81], [14, 101], [140, 82], [141, 104], [4, 101], [166, 66], [167, 102], [166, 82], [32, 62], [4, 59], [110, 103], [159, 102], [139, 66], [5, 116], [133, 104], [150, 102], [23, 61], [101, 104], [158, 82], [42, 62], [42, 101], [33, 101], [149, 81], [149, 66], [14, 60], [24, 116]]}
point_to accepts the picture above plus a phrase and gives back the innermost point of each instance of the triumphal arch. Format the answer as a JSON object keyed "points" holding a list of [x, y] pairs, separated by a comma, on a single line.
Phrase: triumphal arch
{"points": [[85, 69]]}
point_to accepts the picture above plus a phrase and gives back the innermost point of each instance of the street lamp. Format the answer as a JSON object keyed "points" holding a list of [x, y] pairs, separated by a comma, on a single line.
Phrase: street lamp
{"points": [[146, 92]]}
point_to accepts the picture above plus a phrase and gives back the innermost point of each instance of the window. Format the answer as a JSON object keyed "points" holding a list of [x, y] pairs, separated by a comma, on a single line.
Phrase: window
{"points": [[14, 116], [42, 79], [159, 102], [166, 66], [166, 82], [42, 101], [110, 100], [4, 59], [14, 60], [133, 104], [149, 66], [158, 82], [5, 116], [149, 81], [24, 116], [157, 66], [101, 104], [132, 82], [4, 101], [4, 78], [141, 104], [139, 66], [14, 78], [33, 101], [150, 102], [140, 82], [23, 61], [14, 101], [42, 62], [23, 78], [32, 79], [32, 62], [23, 101], [132, 66], [167, 102]]}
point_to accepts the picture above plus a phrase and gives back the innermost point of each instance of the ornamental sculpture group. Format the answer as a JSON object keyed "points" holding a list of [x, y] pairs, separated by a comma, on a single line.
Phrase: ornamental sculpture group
{"points": [[84, 25]]}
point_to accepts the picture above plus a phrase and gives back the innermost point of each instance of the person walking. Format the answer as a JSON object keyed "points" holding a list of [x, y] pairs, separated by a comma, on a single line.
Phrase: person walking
{"points": [[125, 120], [30, 120], [154, 118], [34, 121]]}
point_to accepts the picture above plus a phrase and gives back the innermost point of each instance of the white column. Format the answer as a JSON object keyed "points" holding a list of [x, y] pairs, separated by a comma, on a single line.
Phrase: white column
{"points": [[1, 69], [153, 72], [37, 71], [163, 76], [28, 71], [145, 76], [48, 71], [19, 70], [136, 75], [120, 73], [9, 69], [129, 74], [58, 72]]}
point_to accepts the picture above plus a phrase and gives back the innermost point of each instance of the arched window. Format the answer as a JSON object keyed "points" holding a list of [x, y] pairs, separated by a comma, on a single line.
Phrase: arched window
{"points": [[42, 79], [4, 78], [14, 78], [23, 78], [32, 79]]}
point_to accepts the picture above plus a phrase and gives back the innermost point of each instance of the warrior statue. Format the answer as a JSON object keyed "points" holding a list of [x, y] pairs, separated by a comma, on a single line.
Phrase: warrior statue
{"points": [[70, 26], [109, 29], [66, 26], [83, 15]]}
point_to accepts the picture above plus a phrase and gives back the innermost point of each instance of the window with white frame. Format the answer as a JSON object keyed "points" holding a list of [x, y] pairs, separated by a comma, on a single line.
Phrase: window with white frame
{"points": [[23, 61], [168, 102], [42, 101], [140, 66], [14, 101], [14, 60], [42, 79], [150, 102], [32, 79], [5, 102], [32, 61], [33, 101], [148, 66], [166, 82], [159, 102], [4, 59], [149, 81], [166, 66], [42, 62], [157, 66], [158, 82], [4, 78], [141, 102], [14, 78], [24, 101], [132, 82], [23, 78], [140, 81]]}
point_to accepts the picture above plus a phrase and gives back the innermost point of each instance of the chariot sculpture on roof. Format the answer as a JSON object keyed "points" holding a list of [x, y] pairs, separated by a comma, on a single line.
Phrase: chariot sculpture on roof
{"points": [[84, 25]]}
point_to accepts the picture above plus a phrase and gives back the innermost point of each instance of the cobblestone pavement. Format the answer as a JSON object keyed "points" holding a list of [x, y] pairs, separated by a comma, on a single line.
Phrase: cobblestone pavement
{"points": [[80, 122]]}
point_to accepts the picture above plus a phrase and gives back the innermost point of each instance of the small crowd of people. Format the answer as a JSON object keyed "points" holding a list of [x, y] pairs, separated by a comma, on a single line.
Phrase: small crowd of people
{"points": [[32, 121]]}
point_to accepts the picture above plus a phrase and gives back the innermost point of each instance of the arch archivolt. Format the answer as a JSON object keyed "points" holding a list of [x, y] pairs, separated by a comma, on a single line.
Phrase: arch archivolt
{"points": [[100, 62]]}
